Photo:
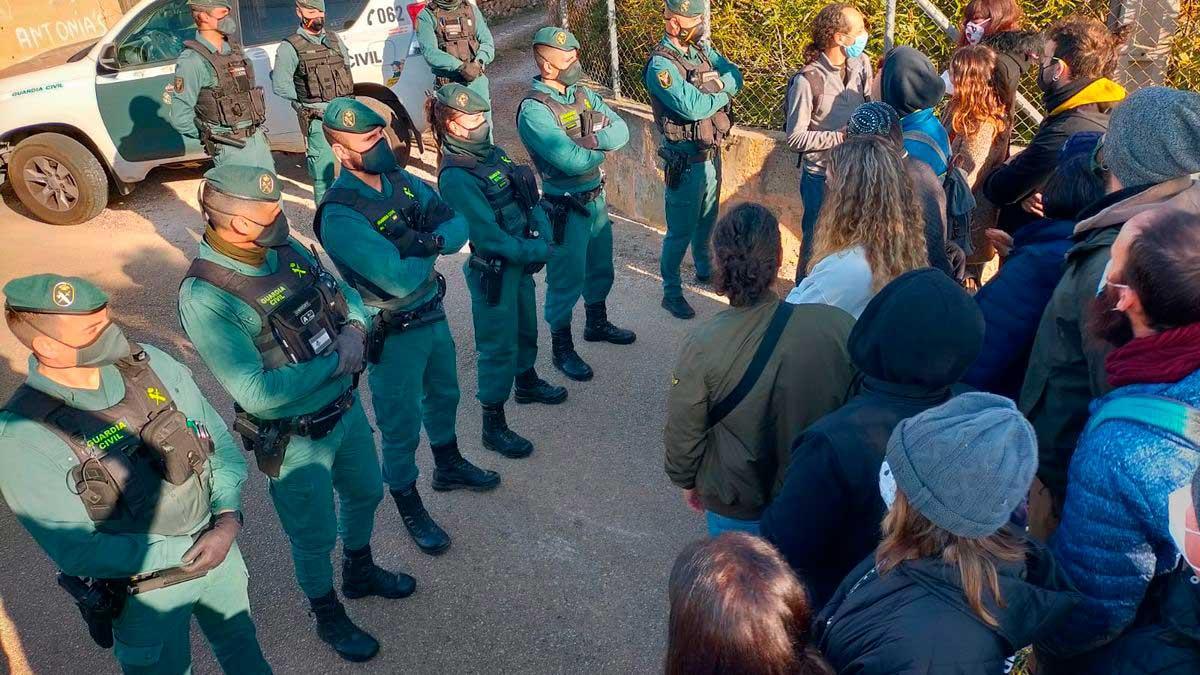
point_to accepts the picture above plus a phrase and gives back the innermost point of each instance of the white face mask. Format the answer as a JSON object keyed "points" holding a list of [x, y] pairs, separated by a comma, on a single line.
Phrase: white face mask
{"points": [[1183, 527], [887, 484], [974, 31]]}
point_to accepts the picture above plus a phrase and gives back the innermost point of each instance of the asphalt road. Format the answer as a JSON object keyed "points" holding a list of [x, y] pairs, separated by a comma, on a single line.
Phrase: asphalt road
{"points": [[562, 569]]}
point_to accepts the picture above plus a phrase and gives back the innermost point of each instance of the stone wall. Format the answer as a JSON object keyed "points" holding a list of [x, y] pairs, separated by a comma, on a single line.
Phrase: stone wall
{"points": [[757, 167], [494, 9]]}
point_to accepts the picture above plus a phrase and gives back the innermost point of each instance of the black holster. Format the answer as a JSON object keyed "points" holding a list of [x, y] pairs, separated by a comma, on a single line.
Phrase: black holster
{"points": [[210, 141], [674, 165], [305, 115], [559, 208], [100, 602], [491, 277], [267, 440]]}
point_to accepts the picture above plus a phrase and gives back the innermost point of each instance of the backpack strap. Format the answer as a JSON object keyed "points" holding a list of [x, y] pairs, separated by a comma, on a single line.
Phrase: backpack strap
{"points": [[816, 85], [770, 339], [927, 140], [1174, 417]]}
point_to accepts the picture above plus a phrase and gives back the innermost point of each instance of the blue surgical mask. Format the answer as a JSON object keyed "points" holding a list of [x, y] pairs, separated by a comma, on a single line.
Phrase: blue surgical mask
{"points": [[859, 46]]}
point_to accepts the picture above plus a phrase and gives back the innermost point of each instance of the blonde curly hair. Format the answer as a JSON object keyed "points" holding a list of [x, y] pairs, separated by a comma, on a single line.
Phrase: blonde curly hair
{"points": [[869, 202]]}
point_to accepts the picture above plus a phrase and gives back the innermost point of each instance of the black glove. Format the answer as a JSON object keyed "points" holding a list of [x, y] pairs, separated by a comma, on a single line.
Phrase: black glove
{"points": [[591, 142], [470, 70]]}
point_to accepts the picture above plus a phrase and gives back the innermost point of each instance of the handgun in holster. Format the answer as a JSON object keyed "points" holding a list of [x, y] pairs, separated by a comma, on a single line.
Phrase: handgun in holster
{"points": [[376, 337], [305, 115], [100, 602], [268, 441], [491, 277], [559, 210], [674, 165]]}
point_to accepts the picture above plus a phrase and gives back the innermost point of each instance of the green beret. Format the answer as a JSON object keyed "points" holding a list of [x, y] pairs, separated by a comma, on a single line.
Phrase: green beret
{"points": [[227, 4], [244, 182], [348, 114], [54, 294], [688, 8], [311, 4], [462, 99], [559, 38]]}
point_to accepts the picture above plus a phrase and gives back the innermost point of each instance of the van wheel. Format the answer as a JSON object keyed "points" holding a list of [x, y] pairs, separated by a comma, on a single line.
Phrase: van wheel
{"points": [[400, 132], [58, 179]]}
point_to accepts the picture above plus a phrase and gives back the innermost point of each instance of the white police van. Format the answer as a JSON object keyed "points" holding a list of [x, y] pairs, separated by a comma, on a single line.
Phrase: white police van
{"points": [[96, 118]]}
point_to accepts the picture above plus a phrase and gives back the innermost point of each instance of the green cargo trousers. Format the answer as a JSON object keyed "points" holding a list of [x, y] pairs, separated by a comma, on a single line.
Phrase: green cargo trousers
{"points": [[691, 213], [505, 334], [583, 266], [256, 153], [415, 381], [153, 632], [345, 462], [319, 160]]}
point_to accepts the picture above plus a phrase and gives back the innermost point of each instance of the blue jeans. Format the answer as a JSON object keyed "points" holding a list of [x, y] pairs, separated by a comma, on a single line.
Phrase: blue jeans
{"points": [[812, 193], [718, 523]]}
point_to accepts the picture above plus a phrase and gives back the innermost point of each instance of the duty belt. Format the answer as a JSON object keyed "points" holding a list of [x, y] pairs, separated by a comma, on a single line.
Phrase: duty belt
{"points": [[418, 316], [316, 425], [702, 156], [580, 198]]}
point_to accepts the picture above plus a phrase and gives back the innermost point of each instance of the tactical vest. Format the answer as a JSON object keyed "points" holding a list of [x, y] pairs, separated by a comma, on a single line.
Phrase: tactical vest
{"points": [[393, 218], [299, 305], [322, 74], [510, 188], [570, 118], [233, 101], [455, 31], [708, 132], [120, 483]]}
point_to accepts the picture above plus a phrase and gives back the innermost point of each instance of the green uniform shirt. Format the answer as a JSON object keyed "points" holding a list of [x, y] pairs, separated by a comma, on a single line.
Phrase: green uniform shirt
{"points": [[286, 62], [665, 83], [223, 328], [354, 243], [553, 151], [193, 73], [34, 464], [488, 236], [441, 63]]}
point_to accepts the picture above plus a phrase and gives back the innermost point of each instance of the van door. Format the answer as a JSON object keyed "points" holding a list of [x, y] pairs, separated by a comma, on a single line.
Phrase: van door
{"points": [[132, 100]]}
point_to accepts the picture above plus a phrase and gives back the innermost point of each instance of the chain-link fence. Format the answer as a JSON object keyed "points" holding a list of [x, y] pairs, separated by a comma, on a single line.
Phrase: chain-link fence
{"points": [[766, 39]]}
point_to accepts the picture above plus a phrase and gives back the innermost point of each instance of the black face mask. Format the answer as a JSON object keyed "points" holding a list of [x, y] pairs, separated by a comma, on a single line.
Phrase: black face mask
{"points": [[690, 36], [314, 25], [276, 234], [1049, 76]]}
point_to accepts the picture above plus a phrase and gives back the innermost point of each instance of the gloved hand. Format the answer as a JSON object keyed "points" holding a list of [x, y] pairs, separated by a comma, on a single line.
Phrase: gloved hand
{"points": [[213, 545], [591, 142], [351, 346], [470, 70], [423, 245]]}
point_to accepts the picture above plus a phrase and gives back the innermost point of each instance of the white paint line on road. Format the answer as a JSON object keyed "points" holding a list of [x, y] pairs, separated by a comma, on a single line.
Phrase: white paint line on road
{"points": [[11, 649], [648, 226]]}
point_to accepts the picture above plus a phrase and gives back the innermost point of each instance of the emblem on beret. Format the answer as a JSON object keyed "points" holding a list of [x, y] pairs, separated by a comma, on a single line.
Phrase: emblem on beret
{"points": [[266, 184], [347, 118], [560, 38], [664, 79], [63, 294], [686, 5], [461, 100]]}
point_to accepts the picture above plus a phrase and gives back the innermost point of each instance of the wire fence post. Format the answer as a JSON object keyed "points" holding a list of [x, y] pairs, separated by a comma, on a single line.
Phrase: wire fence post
{"points": [[889, 30], [562, 14], [614, 56]]}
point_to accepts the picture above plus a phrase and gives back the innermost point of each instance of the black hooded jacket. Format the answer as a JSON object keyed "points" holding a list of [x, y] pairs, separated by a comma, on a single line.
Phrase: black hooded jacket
{"points": [[914, 340], [915, 620]]}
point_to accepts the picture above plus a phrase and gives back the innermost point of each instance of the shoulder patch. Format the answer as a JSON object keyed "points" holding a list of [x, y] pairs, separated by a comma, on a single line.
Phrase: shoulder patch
{"points": [[178, 85], [664, 78]]}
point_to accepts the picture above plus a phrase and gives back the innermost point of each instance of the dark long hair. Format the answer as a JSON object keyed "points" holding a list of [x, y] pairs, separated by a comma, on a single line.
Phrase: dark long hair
{"points": [[736, 607], [1072, 188], [436, 116], [747, 253], [830, 21]]}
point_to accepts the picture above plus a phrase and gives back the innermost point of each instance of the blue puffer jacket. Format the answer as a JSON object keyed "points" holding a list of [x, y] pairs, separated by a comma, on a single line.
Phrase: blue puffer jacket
{"points": [[1012, 304], [1114, 536]]}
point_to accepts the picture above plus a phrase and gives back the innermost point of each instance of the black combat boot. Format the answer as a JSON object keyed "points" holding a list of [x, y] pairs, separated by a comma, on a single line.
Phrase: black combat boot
{"points": [[338, 631], [532, 389], [678, 307], [600, 329], [428, 536], [497, 437], [565, 358], [362, 577], [453, 471]]}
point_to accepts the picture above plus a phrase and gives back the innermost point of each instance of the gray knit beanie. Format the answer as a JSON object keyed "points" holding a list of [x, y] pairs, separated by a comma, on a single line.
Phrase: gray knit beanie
{"points": [[966, 464], [1154, 136]]}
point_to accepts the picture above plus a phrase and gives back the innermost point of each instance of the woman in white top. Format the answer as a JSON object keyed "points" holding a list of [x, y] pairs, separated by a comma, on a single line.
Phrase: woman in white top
{"points": [[870, 231]]}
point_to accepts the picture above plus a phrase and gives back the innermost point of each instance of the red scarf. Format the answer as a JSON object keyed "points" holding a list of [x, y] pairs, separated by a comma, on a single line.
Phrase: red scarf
{"points": [[1161, 358]]}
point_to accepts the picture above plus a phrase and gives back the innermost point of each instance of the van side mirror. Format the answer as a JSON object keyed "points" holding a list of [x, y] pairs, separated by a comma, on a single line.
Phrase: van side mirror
{"points": [[106, 62]]}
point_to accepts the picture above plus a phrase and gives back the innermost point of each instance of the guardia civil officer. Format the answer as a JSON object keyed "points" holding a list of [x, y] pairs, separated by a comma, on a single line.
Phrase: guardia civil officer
{"points": [[128, 479], [384, 229], [214, 98], [691, 86], [509, 242], [457, 44], [286, 340], [568, 129], [312, 67]]}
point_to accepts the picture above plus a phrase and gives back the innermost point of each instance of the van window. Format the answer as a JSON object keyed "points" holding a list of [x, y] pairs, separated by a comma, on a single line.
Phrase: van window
{"points": [[157, 36], [270, 21]]}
